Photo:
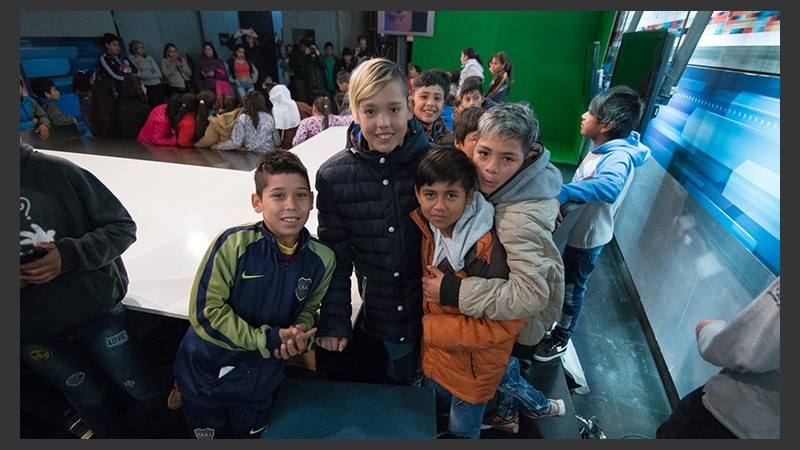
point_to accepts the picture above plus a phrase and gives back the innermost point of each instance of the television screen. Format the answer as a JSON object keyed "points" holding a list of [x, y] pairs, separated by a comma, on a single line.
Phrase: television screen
{"points": [[406, 23]]}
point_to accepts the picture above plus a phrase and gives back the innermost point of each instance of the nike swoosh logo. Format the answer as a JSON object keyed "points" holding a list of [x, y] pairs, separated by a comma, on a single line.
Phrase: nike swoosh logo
{"points": [[245, 276], [252, 431]]}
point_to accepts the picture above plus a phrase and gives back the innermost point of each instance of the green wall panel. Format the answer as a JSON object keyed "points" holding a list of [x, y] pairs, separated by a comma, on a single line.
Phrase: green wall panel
{"points": [[550, 50]]}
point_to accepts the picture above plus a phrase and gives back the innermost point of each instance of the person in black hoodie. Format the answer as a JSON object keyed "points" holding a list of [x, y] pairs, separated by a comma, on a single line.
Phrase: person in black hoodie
{"points": [[74, 331], [365, 196]]}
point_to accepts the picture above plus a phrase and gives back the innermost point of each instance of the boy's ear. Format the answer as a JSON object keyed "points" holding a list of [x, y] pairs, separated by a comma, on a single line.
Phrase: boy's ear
{"points": [[255, 200], [606, 127]]}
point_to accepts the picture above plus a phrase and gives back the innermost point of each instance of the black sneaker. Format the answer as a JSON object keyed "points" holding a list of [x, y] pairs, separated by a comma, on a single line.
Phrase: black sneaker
{"points": [[550, 349]]}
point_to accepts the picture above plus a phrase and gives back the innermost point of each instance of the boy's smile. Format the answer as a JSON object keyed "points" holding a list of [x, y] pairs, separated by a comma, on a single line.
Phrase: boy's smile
{"points": [[384, 118], [284, 204]]}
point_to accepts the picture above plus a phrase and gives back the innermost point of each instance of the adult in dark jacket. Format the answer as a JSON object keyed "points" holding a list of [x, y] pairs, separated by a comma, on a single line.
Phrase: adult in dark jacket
{"points": [[254, 52], [73, 327], [309, 72]]}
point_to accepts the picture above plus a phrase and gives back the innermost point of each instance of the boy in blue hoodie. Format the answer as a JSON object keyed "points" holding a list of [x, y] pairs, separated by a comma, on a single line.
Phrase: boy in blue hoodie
{"points": [[601, 181]]}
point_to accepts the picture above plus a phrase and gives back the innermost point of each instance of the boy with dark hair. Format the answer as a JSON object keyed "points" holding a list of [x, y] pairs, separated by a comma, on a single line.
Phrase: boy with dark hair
{"points": [[427, 102], [252, 306], [463, 357], [601, 181], [366, 193], [112, 61], [516, 176], [465, 132], [472, 94], [45, 89]]}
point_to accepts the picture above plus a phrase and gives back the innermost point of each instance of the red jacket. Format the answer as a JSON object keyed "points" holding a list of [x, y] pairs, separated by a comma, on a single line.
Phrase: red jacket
{"points": [[157, 129], [186, 128]]}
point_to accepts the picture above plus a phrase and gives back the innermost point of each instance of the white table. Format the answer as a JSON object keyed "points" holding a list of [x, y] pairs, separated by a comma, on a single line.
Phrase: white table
{"points": [[179, 209]]}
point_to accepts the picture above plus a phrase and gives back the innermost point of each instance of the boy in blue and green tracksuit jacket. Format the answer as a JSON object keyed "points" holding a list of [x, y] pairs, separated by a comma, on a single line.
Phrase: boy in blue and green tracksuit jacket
{"points": [[252, 306]]}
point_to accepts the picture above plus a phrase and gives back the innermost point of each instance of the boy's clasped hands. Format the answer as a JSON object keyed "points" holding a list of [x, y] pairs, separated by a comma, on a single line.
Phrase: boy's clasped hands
{"points": [[294, 340]]}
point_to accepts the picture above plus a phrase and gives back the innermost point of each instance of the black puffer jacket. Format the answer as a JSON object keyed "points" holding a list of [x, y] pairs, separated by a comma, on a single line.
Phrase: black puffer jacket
{"points": [[364, 198]]}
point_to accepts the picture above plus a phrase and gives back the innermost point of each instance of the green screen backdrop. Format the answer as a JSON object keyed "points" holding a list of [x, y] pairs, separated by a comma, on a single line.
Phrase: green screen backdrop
{"points": [[551, 52]]}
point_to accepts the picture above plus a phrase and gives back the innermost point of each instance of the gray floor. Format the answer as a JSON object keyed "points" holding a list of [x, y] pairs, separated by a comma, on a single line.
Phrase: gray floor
{"points": [[626, 394], [626, 397]]}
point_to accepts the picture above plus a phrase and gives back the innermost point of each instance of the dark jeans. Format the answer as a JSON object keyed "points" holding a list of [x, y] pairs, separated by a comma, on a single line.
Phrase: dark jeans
{"points": [[578, 266], [81, 362], [691, 420], [405, 365]]}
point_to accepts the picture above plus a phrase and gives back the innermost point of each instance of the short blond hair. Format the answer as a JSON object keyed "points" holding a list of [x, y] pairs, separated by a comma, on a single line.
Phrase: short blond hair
{"points": [[369, 77]]}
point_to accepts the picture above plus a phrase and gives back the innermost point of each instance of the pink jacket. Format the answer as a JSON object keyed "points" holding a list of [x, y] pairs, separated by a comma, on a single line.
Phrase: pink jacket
{"points": [[156, 129]]}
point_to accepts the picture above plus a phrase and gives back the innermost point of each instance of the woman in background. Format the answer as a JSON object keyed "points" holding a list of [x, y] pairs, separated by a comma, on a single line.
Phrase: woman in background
{"points": [[500, 67], [242, 73], [149, 73], [210, 71], [471, 65], [176, 70]]}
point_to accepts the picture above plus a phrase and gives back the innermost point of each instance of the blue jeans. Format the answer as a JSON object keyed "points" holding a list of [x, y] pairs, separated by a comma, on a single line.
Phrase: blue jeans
{"points": [[515, 391], [405, 365], [243, 88], [578, 266], [80, 361], [465, 417], [691, 420]]}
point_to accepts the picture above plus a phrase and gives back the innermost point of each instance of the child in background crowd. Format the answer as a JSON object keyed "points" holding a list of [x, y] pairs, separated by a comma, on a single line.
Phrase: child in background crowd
{"points": [[465, 134], [254, 128], [31, 115], [427, 102], [321, 118], [45, 89]]}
